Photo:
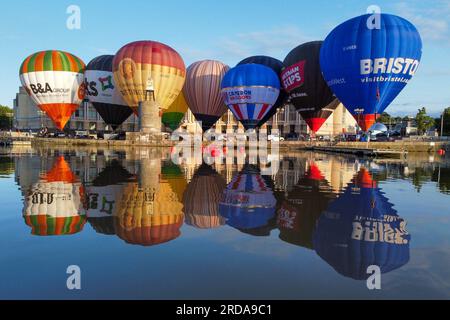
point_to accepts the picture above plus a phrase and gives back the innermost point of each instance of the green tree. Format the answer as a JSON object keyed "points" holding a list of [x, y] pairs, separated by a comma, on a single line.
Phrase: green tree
{"points": [[385, 118], [446, 122], [6, 117], [424, 121]]}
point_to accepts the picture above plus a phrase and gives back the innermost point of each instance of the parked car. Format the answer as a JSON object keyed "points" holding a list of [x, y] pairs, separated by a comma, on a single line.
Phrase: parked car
{"points": [[384, 137], [324, 138], [83, 134], [274, 137], [293, 136]]}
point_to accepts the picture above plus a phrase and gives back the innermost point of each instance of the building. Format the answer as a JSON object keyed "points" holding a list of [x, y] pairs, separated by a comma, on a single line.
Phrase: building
{"points": [[287, 120]]}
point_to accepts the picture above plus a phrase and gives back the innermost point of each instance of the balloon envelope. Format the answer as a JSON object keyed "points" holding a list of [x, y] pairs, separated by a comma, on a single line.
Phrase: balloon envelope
{"points": [[361, 228], [368, 67], [175, 113], [250, 91], [55, 82], [103, 92], [141, 63], [277, 66], [308, 92], [202, 91]]}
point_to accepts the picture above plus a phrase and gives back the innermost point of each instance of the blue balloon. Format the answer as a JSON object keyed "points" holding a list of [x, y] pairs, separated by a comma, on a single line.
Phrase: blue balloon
{"points": [[250, 91], [361, 229], [367, 65]]}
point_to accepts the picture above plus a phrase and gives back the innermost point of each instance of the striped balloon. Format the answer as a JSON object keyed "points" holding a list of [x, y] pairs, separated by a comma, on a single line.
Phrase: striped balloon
{"points": [[54, 81], [139, 63], [250, 91], [202, 91]]}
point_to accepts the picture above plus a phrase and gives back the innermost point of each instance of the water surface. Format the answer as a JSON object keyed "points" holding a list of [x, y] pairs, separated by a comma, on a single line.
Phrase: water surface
{"points": [[141, 227]]}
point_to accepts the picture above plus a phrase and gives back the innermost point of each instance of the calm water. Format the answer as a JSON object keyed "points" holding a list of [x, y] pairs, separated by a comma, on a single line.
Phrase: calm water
{"points": [[140, 226]]}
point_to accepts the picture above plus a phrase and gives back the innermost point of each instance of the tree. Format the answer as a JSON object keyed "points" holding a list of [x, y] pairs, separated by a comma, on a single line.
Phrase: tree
{"points": [[385, 118], [424, 122], [446, 116], [6, 117]]}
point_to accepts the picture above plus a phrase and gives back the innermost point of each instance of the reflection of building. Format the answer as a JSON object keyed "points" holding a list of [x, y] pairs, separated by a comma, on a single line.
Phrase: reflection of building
{"points": [[28, 116]]}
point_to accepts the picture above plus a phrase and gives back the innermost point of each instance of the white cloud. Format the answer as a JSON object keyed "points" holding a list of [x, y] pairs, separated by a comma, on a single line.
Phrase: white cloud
{"points": [[276, 42], [431, 19]]}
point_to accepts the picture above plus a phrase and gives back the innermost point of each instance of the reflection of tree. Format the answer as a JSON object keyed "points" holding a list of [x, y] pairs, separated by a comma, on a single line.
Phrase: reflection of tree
{"points": [[442, 177], [420, 176], [6, 165]]}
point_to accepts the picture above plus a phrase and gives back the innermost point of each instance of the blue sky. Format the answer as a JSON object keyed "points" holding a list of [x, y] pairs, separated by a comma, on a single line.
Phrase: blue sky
{"points": [[225, 30]]}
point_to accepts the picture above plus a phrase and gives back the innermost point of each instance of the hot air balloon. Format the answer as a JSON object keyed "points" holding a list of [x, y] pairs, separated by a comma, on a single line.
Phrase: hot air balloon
{"points": [[308, 91], [55, 82], [201, 199], [202, 91], [138, 63], [54, 204], [248, 202], [250, 91], [360, 229], [174, 114], [103, 93], [367, 67], [102, 196], [297, 217], [277, 66]]}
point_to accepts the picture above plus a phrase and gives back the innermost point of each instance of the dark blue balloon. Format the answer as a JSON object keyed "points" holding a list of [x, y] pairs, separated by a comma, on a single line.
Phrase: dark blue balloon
{"points": [[250, 91], [367, 67], [360, 229]]}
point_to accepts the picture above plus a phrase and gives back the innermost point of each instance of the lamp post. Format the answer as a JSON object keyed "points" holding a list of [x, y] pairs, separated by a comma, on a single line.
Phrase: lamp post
{"points": [[41, 114], [358, 112], [442, 124]]}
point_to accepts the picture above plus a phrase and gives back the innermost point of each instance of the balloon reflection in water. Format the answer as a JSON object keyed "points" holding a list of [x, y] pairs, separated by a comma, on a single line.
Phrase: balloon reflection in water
{"points": [[53, 206], [172, 173], [201, 199], [361, 228], [299, 213], [102, 196], [149, 212], [248, 202]]}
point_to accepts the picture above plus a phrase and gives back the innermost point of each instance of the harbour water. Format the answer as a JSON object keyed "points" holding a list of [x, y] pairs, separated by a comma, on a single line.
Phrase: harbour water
{"points": [[141, 227]]}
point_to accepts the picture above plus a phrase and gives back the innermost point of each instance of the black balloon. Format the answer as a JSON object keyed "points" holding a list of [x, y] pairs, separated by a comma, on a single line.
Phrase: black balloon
{"points": [[302, 79], [103, 93]]}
